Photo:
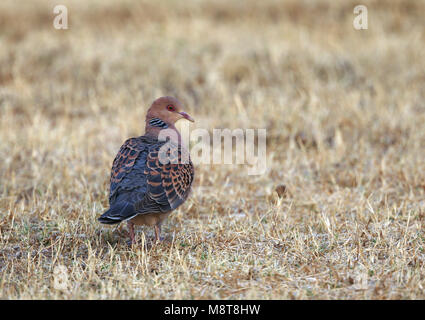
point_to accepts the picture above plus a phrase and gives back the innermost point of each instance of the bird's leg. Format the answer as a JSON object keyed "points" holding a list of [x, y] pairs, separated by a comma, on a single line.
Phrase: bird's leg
{"points": [[158, 233], [130, 226]]}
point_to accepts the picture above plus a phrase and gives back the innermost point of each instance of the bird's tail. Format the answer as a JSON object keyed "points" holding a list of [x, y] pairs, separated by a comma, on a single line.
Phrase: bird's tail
{"points": [[118, 212]]}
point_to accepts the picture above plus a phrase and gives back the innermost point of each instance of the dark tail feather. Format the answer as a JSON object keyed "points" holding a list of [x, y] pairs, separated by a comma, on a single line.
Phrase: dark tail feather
{"points": [[118, 212]]}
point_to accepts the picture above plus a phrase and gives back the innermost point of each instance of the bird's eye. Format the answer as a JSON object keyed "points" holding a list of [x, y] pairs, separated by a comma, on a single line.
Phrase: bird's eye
{"points": [[170, 107]]}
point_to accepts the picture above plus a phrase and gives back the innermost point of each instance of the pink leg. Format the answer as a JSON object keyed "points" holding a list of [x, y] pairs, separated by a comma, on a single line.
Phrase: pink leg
{"points": [[130, 226]]}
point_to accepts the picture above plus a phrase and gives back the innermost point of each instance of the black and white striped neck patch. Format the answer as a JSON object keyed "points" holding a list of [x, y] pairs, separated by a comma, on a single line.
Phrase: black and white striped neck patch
{"points": [[155, 122]]}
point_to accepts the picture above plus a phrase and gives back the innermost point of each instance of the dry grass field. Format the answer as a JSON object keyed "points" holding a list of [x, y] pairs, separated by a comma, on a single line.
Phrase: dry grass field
{"points": [[344, 112]]}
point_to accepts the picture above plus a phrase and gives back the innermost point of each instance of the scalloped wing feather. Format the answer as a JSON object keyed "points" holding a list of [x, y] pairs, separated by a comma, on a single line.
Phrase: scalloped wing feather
{"points": [[169, 183], [124, 162]]}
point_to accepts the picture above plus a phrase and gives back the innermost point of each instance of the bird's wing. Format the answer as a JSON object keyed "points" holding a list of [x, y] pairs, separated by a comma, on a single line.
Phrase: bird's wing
{"points": [[128, 165], [170, 174]]}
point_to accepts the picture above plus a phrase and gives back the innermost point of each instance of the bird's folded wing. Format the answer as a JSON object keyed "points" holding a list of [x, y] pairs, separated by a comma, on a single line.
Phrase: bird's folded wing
{"points": [[169, 178], [125, 161]]}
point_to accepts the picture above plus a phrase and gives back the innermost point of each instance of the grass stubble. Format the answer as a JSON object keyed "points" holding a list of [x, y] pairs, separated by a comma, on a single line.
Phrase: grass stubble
{"points": [[344, 112]]}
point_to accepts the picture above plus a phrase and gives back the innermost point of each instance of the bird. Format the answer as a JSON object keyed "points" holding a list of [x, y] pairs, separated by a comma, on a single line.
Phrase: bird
{"points": [[151, 174]]}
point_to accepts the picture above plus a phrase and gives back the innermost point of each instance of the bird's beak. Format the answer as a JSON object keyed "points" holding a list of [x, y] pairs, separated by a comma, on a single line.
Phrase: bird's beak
{"points": [[186, 116]]}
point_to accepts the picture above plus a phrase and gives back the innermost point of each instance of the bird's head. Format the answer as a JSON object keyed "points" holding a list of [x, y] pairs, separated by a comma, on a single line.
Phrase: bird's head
{"points": [[168, 110]]}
